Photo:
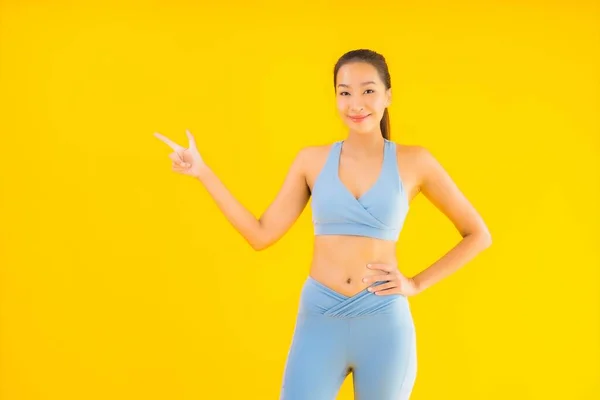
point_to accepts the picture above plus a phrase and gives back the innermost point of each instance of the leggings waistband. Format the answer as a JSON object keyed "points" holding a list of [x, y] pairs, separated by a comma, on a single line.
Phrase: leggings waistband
{"points": [[317, 298]]}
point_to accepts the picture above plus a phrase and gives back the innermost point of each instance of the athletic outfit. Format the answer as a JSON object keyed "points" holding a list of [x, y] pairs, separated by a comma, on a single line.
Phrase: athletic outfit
{"points": [[369, 335]]}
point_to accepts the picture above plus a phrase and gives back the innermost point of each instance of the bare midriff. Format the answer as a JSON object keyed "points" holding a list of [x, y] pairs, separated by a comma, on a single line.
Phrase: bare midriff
{"points": [[340, 262]]}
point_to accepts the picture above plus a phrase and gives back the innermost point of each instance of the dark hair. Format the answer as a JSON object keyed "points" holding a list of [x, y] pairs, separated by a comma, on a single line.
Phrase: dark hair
{"points": [[376, 60]]}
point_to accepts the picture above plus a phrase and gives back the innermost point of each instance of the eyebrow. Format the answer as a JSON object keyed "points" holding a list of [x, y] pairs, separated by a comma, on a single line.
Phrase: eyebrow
{"points": [[362, 84]]}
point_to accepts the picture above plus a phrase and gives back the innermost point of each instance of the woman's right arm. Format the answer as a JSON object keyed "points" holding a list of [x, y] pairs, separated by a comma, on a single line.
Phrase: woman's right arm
{"points": [[278, 217]]}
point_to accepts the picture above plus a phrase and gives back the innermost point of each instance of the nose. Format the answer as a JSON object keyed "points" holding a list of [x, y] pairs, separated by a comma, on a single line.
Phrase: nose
{"points": [[356, 108]]}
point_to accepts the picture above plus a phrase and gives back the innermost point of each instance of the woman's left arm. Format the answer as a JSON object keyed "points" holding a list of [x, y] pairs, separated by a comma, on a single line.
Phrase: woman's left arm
{"points": [[440, 189]]}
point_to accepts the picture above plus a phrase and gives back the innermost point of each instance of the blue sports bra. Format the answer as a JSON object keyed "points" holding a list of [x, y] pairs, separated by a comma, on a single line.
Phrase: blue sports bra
{"points": [[379, 213]]}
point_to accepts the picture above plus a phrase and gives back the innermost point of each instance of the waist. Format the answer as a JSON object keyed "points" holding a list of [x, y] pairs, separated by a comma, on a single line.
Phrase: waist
{"points": [[340, 262]]}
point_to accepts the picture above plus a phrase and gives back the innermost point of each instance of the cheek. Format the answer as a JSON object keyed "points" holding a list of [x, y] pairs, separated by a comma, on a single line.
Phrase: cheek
{"points": [[378, 104], [341, 104]]}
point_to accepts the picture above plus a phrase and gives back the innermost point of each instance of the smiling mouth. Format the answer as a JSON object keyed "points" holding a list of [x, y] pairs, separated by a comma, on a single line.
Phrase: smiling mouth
{"points": [[359, 118]]}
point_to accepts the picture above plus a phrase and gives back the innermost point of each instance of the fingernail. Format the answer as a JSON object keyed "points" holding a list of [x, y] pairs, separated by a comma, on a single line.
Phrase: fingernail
{"points": [[369, 265]]}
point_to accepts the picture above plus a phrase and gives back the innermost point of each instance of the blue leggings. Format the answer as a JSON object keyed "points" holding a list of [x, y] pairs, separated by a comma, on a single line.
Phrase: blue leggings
{"points": [[369, 335]]}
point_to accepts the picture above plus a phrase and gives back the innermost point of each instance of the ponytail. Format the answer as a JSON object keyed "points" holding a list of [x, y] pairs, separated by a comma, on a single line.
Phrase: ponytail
{"points": [[385, 124]]}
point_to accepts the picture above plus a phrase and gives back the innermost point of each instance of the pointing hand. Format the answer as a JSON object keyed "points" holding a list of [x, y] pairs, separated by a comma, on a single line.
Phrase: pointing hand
{"points": [[186, 161]]}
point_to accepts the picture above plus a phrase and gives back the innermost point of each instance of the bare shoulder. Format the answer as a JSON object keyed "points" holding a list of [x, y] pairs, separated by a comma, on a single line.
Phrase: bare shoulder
{"points": [[315, 150], [413, 151], [413, 162], [314, 155], [313, 159], [415, 156]]}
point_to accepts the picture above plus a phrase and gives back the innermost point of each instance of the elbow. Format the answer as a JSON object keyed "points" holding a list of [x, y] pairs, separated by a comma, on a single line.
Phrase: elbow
{"points": [[258, 246], [488, 241], [263, 238], [259, 242], [485, 239]]}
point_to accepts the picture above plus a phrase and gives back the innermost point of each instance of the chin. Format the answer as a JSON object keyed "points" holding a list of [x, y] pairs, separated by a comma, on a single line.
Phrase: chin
{"points": [[362, 130]]}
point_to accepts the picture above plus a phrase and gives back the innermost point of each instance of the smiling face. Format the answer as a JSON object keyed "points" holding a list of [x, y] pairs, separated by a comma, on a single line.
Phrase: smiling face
{"points": [[361, 97]]}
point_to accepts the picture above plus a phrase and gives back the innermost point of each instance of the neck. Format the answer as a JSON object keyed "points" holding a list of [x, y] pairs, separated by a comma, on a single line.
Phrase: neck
{"points": [[364, 144]]}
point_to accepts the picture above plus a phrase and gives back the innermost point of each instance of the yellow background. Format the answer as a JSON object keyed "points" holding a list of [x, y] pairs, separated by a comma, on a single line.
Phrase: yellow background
{"points": [[121, 279]]}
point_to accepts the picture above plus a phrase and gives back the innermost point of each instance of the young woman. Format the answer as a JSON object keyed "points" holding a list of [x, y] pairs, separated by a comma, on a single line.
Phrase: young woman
{"points": [[354, 314]]}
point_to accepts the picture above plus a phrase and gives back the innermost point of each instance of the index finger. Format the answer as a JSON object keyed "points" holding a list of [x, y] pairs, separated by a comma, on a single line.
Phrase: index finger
{"points": [[191, 139], [380, 278], [383, 267], [168, 141]]}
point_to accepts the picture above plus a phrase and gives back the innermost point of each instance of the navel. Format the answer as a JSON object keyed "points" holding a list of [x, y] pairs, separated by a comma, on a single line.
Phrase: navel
{"points": [[349, 280]]}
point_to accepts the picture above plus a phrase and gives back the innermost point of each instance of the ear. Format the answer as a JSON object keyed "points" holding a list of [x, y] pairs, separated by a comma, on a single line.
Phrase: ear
{"points": [[389, 97]]}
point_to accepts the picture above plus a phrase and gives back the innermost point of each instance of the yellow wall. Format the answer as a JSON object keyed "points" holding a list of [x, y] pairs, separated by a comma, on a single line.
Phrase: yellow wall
{"points": [[121, 279]]}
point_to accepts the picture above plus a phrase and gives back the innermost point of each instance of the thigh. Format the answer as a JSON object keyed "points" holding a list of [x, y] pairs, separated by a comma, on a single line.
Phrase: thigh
{"points": [[385, 357], [317, 360]]}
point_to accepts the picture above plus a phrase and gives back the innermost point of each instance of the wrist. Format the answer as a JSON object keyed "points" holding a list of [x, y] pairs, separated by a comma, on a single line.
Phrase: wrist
{"points": [[416, 286], [202, 172]]}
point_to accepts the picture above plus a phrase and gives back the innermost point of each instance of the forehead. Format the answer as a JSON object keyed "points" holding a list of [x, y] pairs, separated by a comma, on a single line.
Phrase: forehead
{"points": [[355, 73]]}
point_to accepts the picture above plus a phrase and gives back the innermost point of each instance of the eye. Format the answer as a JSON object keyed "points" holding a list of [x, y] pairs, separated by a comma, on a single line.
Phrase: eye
{"points": [[371, 90]]}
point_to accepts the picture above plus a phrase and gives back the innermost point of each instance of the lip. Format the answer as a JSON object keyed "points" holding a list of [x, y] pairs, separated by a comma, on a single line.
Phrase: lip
{"points": [[358, 118]]}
